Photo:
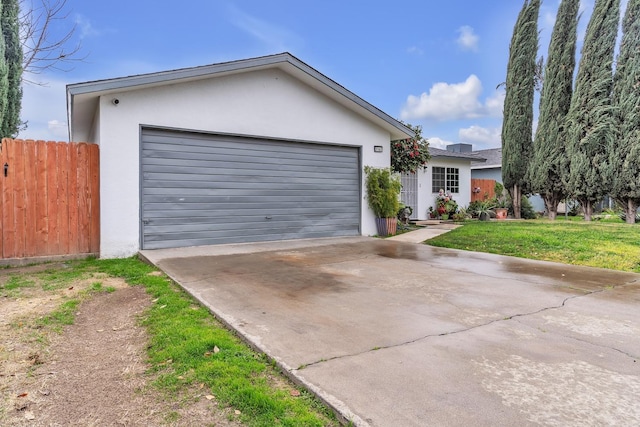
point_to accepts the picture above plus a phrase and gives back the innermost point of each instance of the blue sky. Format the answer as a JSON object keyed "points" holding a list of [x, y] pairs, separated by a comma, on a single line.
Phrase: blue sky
{"points": [[429, 63]]}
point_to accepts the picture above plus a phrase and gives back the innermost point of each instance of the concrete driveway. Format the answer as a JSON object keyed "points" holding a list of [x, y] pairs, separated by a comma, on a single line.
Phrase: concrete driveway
{"points": [[399, 334]]}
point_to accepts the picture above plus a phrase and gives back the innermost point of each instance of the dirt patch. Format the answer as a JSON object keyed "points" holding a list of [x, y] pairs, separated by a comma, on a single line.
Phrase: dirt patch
{"points": [[94, 373]]}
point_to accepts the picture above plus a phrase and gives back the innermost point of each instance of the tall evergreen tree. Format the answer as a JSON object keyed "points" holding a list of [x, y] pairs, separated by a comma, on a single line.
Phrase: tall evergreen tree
{"points": [[517, 127], [590, 118], [4, 69], [549, 157], [625, 151], [9, 18]]}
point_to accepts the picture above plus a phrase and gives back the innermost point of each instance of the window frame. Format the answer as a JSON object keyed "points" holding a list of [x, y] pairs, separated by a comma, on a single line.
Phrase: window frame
{"points": [[445, 178]]}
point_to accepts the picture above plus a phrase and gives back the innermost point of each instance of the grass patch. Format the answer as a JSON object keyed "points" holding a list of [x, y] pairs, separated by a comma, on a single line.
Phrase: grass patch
{"points": [[62, 316], [16, 282], [189, 347], [609, 245]]}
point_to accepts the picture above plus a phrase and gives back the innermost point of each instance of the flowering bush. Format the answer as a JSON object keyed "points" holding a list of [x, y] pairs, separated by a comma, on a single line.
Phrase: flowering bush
{"points": [[445, 203], [407, 155]]}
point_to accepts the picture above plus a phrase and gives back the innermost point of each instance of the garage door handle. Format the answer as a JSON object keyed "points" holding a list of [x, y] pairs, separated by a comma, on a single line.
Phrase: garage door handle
{"points": [[267, 217]]}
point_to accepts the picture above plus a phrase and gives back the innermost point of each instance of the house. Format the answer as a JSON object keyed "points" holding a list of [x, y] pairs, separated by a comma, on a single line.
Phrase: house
{"points": [[492, 169], [449, 170], [253, 150]]}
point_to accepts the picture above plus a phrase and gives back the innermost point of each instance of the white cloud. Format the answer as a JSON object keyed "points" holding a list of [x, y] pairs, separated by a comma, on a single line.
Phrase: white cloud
{"points": [[85, 28], [481, 137], [45, 110], [436, 142], [273, 36], [415, 50], [468, 39], [58, 129], [453, 102]]}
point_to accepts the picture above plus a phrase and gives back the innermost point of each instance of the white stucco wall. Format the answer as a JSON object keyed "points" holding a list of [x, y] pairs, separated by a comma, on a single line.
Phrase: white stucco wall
{"points": [[268, 103], [427, 198]]}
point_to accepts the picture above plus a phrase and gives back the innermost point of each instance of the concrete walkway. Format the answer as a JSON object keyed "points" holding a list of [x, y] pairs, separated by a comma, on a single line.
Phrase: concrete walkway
{"points": [[391, 333], [426, 233]]}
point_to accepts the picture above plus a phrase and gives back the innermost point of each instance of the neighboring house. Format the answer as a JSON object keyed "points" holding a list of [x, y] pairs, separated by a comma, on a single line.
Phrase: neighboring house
{"points": [[253, 150], [449, 170], [492, 169]]}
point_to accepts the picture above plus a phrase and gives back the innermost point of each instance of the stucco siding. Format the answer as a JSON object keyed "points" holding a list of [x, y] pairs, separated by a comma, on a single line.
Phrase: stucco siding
{"points": [[426, 197], [268, 103]]}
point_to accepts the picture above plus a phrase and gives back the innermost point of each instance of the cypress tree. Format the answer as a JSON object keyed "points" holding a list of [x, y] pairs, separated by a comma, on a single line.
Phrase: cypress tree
{"points": [[10, 124], [517, 126], [590, 119], [4, 89], [625, 151], [549, 157]]}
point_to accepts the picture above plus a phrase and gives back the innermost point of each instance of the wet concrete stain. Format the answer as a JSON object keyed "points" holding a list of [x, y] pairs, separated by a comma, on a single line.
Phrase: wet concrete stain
{"points": [[280, 275], [302, 274]]}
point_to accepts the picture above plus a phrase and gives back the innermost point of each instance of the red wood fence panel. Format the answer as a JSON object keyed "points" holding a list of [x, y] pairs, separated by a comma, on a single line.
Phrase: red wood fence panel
{"points": [[49, 198], [482, 189]]}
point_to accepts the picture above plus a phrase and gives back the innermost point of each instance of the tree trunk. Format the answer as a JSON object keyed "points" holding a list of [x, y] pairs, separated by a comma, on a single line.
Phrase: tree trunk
{"points": [[588, 210], [630, 211], [551, 201], [516, 200]]}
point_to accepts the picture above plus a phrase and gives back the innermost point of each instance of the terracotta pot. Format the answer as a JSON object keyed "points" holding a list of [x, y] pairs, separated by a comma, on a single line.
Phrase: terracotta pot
{"points": [[501, 213], [386, 226]]}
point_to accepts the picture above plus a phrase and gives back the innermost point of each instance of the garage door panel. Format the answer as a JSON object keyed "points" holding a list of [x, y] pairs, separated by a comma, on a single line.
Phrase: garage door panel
{"points": [[203, 189], [228, 171], [187, 214], [156, 180], [257, 204], [217, 217], [283, 225], [239, 188], [248, 234], [202, 143], [237, 155], [240, 168], [238, 208], [221, 240]]}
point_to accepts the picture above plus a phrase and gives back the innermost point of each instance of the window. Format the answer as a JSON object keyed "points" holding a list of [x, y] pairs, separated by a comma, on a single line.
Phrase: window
{"points": [[437, 179], [447, 179], [453, 180]]}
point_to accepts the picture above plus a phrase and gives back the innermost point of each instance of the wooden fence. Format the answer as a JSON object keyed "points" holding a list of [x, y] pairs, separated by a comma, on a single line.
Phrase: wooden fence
{"points": [[482, 189], [49, 199]]}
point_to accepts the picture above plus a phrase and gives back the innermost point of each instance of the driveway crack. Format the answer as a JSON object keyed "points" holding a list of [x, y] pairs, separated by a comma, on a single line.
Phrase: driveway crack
{"points": [[471, 328]]}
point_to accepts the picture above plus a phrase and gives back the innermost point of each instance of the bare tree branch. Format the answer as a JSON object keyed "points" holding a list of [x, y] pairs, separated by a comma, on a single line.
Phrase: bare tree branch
{"points": [[43, 50]]}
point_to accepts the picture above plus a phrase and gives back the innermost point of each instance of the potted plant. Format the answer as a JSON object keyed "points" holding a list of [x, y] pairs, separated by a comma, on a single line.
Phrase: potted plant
{"points": [[383, 193], [501, 208], [501, 202], [445, 205], [483, 209], [461, 215], [432, 213]]}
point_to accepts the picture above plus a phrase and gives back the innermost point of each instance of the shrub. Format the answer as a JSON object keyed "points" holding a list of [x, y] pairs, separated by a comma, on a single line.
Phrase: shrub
{"points": [[383, 191]]}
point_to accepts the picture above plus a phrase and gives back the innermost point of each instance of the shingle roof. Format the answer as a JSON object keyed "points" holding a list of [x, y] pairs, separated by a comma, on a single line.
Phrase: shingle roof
{"points": [[493, 158], [473, 157]]}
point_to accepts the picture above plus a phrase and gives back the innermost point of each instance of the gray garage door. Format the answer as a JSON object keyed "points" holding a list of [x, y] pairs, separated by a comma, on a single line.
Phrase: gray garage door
{"points": [[200, 189]]}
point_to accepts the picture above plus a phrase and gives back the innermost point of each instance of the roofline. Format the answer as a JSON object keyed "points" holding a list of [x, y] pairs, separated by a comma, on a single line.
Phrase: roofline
{"points": [[225, 67], [477, 159], [485, 166]]}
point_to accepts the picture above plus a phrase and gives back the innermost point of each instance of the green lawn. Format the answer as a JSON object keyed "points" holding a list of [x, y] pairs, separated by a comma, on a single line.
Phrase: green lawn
{"points": [[612, 245]]}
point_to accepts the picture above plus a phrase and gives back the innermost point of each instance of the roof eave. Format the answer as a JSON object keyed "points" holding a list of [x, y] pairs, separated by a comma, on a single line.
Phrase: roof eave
{"points": [[286, 61]]}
